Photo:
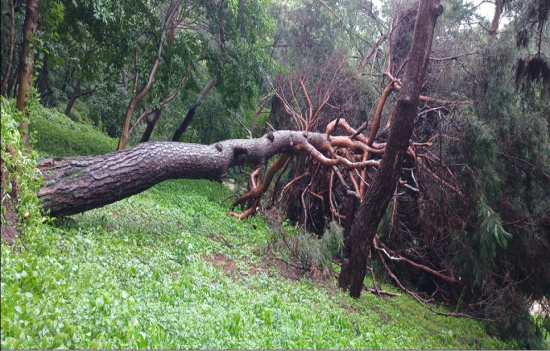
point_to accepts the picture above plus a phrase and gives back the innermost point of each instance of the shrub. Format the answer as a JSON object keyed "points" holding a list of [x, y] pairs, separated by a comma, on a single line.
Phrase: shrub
{"points": [[20, 176], [58, 135]]}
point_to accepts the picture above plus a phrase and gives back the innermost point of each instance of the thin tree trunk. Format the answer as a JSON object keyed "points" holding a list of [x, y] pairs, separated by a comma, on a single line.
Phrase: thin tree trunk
{"points": [[68, 77], [26, 65], [42, 82], [496, 19], [10, 52], [151, 123], [382, 188], [125, 133], [74, 96], [13, 83], [157, 111], [189, 115]]}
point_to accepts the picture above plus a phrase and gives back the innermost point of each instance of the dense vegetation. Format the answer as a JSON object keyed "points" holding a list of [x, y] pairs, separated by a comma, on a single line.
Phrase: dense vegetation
{"points": [[467, 229], [167, 269]]}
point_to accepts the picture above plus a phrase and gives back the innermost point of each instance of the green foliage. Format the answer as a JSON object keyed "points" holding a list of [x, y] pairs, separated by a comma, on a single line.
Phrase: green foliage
{"points": [[490, 232], [148, 272], [309, 249], [19, 169], [79, 112], [56, 134]]}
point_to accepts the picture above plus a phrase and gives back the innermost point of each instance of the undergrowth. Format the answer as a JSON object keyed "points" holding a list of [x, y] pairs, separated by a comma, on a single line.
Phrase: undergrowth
{"points": [[168, 269], [139, 274], [55, 134]]}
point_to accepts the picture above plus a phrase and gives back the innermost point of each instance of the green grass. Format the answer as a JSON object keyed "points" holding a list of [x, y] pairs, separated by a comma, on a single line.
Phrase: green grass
{"points": [[168, 269], [137, 274]]}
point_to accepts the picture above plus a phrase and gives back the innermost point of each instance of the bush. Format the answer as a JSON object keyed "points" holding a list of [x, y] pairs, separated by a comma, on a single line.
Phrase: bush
{"points": [[21, 178], [58, 135]]}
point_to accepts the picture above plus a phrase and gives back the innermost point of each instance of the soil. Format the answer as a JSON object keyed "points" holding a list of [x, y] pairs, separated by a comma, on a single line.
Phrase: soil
{"points": [[228, 266]]}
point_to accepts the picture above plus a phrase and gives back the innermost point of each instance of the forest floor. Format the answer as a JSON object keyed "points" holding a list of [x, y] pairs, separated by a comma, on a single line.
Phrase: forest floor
{"points": [[168, 269]]}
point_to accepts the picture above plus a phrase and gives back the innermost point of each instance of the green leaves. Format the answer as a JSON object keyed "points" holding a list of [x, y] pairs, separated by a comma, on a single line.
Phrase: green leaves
{"points": [[19, 167], [490, 232], [142, 274], [57, 134]]}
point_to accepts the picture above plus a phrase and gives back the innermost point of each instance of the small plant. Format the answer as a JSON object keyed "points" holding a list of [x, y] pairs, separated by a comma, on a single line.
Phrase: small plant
{"points": [[20, 177], [309, 250], [184, 249]]}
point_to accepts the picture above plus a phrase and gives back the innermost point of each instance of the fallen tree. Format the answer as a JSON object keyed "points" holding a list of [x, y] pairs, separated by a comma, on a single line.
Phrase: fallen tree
{"points": [[74, 185]]}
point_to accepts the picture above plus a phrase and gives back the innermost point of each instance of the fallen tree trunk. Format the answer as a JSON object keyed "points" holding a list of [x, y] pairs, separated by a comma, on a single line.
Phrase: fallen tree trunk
{"points": [[74, 185]]}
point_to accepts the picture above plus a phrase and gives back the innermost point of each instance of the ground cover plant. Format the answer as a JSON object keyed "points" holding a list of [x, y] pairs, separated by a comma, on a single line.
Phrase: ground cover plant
{"points": [[142, 273], [168, 269]]}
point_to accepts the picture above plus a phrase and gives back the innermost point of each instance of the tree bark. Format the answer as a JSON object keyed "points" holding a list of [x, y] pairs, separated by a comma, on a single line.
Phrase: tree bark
{"points": [[380, 192], [42, 81], [156, 112], [496, 19], [74, 96], [75, 185], [26, 65]]}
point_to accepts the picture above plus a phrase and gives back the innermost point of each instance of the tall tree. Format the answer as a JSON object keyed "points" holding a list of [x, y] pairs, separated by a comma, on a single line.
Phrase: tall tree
{"points": [[382, 188], [168, 24]]}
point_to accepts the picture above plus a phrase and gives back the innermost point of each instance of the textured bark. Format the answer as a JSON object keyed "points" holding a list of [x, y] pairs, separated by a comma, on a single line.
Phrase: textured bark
{"points": [[26, 66], [380, 192], [75, 185]]}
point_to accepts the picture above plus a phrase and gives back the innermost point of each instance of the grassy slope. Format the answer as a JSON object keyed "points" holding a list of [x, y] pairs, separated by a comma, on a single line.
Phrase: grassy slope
{"points": [[140, 274]]}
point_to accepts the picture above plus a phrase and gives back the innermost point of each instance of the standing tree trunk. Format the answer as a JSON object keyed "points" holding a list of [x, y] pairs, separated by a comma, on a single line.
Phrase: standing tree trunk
{"points": [[74, 96], [380, 192], [10, 52], [26, 66], [496, 19], [151, 122], [125, 133], [189, 115]]}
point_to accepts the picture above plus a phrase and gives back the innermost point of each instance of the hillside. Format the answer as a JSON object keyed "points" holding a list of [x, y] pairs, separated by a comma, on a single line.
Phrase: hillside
{"points": [[168, 269]]}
